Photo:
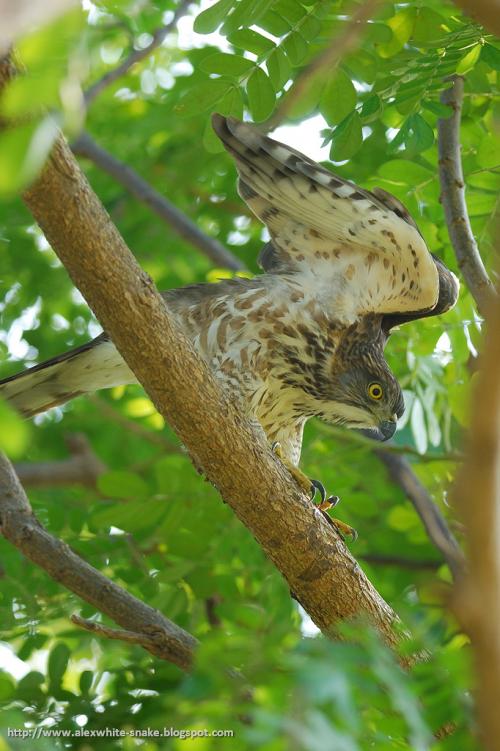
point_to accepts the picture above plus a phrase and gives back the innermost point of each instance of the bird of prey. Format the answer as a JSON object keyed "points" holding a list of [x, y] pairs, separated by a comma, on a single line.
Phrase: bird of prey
{"points": [[306, 338]]}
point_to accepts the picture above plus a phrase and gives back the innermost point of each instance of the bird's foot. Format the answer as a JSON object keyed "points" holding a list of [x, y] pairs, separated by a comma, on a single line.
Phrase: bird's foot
{"points": [[310, 487], [344, 530]]}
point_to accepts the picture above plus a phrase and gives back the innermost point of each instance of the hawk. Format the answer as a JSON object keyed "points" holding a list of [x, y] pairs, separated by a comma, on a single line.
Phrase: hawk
{"points": [[306, 338]]}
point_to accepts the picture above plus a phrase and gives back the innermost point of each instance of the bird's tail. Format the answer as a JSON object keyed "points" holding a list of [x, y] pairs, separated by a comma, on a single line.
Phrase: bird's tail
{"points": [[82, 370]]}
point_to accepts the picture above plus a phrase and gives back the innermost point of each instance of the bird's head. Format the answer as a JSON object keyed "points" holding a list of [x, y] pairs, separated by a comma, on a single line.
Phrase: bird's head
{"points": [[364, 392], [368, 396]]}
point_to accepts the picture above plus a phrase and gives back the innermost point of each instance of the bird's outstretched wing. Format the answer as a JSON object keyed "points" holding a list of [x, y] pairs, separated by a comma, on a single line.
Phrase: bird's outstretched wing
{"points": [[362, 245]]}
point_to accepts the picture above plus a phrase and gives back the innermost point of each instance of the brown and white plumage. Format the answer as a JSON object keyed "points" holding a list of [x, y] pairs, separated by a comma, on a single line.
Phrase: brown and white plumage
{"points": [[344, 266]]}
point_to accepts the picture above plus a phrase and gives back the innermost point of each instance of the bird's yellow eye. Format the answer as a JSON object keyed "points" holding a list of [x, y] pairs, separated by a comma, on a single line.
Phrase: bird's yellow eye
{"points": [[375, 391]]}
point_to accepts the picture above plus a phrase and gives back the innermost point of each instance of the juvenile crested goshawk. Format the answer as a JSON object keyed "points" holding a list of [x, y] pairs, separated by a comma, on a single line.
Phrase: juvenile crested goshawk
{"points": [[305, 338]]}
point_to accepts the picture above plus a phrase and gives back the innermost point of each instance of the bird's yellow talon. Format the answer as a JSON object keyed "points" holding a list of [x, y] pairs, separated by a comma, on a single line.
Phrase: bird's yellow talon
{"points": [[345, 530], [309, 487]]}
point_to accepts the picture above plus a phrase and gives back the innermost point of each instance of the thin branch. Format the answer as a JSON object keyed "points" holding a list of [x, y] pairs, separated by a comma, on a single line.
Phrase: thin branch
{"points": [[434, 522], [453, 199], [83, 468], [165, 639], [411, 564], [157, 439], [476, 495], [144, 192], [363, 440], [148, 641], [136, 56], [231, 450], [324, 62]]}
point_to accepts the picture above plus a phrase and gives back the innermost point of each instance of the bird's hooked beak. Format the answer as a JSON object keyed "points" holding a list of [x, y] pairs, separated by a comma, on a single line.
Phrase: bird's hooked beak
{"points": [[385, 430]]}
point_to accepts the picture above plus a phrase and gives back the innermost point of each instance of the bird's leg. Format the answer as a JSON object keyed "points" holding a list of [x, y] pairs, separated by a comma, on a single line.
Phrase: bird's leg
{"points": [[310, 487]]}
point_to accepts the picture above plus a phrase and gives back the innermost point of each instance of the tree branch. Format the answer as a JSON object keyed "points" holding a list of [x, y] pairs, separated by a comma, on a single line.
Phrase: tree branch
{"points": [[477, 498], [398, 561], [83, 468], [453, 199], [157, 634], [324, 62], [144, 192], [365, 441], [232, 451], [136, 56], [434, 522]]}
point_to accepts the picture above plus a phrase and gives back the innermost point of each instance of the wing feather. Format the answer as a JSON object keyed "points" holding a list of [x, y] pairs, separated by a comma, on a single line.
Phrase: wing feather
{"points": [[364, 243]]}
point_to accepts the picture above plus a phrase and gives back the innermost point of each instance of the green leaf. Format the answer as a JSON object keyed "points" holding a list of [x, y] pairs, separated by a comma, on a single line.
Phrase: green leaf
{"points": [[7, 686], [307, 102], [379, 33], [30, 94], [14, 432], [291, 10], [491, 56], [458, 395], [405, 172], [222, 62], [310, 28], [122, 484], [275, 24], [230, 105], [261, 95], [347, 138], [245, 13], [469, 60], [371, 109], [252, 41], [338, 98], [429, 25], [295, 47], [85, 683], [23, 151], [210, 19], [279, 68], [437, 108], [401, 25], [421, 135], [203, 96], [134, 516], [57, 664]]}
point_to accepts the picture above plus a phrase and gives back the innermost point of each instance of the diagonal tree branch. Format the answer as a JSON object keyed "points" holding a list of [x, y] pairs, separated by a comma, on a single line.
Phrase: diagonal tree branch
{"points": [[232, 452], [136, 56], [434, 522], [151, 629], [143, 191], [453, 199]]}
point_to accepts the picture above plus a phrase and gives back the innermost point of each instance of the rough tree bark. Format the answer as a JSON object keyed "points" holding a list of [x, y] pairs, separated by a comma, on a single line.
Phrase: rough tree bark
{"points": [[232, 453], [477, 498]]}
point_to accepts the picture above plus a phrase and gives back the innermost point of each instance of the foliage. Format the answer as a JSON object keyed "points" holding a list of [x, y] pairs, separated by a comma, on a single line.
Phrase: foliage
{"points": [[152, 524]]}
